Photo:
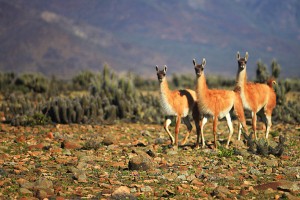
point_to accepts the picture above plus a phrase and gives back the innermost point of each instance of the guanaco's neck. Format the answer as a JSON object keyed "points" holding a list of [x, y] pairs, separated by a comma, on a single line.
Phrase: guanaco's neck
{"points": [[241, 78], [201, 88], [164, 87]]}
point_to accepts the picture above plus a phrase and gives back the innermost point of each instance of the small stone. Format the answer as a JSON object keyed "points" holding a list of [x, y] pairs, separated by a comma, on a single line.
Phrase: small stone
{"points": [[43, 183], [181, 177], [146, 189], [21, 139], [197, 182], [277, 196], [109, 140], [25, 191], [140, 162], [66, 144], [37, 146], [121, 190], [271, 163], [269, 191], [42, 194], [50, 135], [66, 152]]}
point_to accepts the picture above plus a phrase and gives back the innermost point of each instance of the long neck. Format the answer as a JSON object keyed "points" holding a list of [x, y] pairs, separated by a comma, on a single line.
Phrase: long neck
{"points": [[241, 78], [164, 87], [201, 87]]}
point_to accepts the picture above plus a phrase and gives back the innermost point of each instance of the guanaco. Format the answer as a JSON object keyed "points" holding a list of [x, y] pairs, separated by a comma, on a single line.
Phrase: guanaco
{"points": [[255, 96], [176, 103], [217, 103]]}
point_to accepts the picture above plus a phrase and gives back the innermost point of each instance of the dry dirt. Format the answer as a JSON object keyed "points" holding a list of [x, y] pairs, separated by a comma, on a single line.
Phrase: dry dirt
{"points": [[92, 162]]}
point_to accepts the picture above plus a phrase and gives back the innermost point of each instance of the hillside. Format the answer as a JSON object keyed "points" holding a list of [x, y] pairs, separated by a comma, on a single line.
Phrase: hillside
{"points": [[64, 37]]}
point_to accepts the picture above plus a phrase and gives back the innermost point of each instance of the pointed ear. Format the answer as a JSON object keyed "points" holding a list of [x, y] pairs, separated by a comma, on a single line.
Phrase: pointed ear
{"points": [[165, 68], [194, 62], [203, 62], [156, 67], [238, 55], [246, 56]]}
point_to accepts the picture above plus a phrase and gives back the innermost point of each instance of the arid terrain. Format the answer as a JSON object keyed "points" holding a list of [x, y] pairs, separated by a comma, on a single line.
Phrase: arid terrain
{"points": [[135, 161]]}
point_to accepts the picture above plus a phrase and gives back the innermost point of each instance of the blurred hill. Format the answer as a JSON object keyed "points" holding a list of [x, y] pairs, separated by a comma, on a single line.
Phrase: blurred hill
{"points": [[64, 37]]}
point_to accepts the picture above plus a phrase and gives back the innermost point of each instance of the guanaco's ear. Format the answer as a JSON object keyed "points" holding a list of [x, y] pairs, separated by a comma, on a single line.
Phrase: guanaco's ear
{"points": [[238, 55], [156, 67], [203, 62], [246, 56], [165, 68], [194, 62]]}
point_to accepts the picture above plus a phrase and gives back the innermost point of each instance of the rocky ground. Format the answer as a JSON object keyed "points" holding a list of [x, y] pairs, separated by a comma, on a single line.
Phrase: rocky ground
{"points": [[134, 161]]}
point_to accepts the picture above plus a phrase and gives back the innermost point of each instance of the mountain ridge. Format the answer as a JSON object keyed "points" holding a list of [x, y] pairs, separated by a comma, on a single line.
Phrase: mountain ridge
{"points": [[64, 37]]}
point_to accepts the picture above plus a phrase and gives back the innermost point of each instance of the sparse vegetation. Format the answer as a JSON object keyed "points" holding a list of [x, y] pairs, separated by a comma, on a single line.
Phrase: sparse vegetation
{"points": [[78, 163]]}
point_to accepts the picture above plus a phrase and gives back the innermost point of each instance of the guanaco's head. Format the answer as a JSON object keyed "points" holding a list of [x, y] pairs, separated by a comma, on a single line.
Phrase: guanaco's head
{"points": [[199, 67], [161, 74], [242, 62]]}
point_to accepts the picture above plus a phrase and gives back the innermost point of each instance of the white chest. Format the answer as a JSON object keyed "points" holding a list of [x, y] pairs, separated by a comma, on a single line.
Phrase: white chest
{"points": [[244, 100], [167, 108]]}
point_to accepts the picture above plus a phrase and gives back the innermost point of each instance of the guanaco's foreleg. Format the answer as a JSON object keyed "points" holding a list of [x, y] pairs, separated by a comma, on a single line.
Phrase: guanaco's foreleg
{"points": [[166, 127]]}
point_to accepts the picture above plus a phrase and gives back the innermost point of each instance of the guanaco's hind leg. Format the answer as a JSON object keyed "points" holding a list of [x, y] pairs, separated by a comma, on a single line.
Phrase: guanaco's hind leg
{"points": [[215, 124], [230, 127], [254, 123], [239, 111], [267, 118], [166, 127], [240, 131], [189, 126]]}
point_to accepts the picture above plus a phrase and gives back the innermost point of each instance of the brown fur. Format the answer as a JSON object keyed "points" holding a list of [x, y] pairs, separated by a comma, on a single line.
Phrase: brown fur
{"points": [[181, 102], [217, 103], [256, 96]]}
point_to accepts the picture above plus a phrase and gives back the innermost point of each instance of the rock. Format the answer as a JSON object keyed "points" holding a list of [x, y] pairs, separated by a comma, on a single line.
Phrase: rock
{"points": [[146, 189], [109, 140], [27, 185], [244, 153], [67, 144], [197, 182], [37, 146], [50, 135], [66, 152], [269, 191], [170, 176], [79, 175], [181, 177], [289, 186], [43, 183], [112, 147], [270, 163], [25, 191], [151, 153], [122, 190], [41, 194], [160, 141], [221, 192], [21, 139], [141, 163]]}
